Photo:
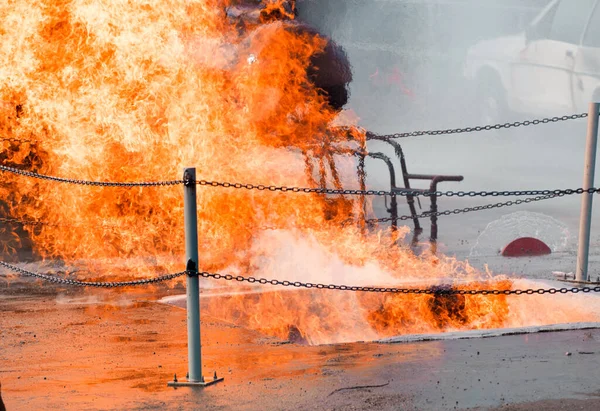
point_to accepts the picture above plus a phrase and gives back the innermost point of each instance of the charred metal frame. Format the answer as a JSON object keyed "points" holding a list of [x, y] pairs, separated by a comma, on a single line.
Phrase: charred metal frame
{"points": [[407, 177], [393, 208], [326, 156]]}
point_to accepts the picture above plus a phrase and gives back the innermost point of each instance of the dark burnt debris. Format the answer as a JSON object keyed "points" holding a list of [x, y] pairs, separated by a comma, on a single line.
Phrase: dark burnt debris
{"points": [[447, 308], [329, 71]]}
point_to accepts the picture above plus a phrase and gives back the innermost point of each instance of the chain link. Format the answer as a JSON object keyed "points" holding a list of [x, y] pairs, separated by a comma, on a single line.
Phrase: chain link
{"points": [[285, 189], [17, 140], [88, 182], [65, 281], [517, 193], [438, 290], [24, 222], [428, 214], [433, 290], [316, 190], [402, 193], [373, 136]]}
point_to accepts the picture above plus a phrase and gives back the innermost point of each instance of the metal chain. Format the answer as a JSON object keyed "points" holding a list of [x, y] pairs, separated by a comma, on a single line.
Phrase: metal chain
{"points": [[402, 193], [428, 214], [88, 182], [476, 128], [24, 222], [434, 290], [319, 190], [58, 280], [17, 140], [286, 189]]}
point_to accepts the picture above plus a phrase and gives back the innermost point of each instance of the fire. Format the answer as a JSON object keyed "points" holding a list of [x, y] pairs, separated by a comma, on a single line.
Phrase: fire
{"points": [[134, 91]]}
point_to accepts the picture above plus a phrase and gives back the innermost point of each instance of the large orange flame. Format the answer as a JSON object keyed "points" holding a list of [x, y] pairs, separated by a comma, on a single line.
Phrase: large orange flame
{"points": [[136, 90]]}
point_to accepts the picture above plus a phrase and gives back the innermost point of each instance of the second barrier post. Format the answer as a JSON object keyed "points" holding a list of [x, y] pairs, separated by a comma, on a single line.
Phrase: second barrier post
{"points": [[585, 219]]}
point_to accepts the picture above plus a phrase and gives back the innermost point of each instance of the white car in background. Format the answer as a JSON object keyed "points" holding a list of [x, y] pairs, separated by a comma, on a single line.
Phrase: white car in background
{"points": [[550, 69]]}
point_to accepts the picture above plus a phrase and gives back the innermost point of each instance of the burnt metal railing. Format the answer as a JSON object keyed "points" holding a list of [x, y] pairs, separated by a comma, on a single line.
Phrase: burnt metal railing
{"points": [[405, 191], [434, 179], [393, 208], [405, 177], [433, 208]]}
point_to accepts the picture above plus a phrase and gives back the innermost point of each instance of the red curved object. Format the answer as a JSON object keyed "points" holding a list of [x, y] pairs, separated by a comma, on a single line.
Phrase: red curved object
{"points": [[526, 247]]}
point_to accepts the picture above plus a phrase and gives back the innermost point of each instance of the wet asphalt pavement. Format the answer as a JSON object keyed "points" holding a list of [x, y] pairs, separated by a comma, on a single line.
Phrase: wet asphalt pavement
{"points": [[75, 351], [513, 369]]}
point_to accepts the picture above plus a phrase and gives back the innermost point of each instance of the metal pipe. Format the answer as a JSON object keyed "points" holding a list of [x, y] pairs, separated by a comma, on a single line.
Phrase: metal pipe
{"points": [[190, 210], [393, 210], [409, 198], [322, 173], [362, 185], [432, 189], [335, 176], [585, 219], [433, 209]]}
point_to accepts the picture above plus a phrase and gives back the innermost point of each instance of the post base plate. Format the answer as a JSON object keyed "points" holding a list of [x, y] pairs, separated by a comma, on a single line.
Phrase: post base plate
{"points": [[184, 383]]}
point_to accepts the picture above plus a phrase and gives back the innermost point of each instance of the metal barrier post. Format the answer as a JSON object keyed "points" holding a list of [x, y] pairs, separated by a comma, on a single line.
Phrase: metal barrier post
{"points": [[585, 219], [190, 210]]}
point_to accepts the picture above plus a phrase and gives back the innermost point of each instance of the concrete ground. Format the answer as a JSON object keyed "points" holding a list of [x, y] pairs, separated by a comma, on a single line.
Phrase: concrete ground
{"points": [[68, 349]]}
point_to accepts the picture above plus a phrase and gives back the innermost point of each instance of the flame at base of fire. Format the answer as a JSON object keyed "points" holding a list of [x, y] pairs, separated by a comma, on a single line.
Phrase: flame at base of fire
{"points": [[326, 317]]}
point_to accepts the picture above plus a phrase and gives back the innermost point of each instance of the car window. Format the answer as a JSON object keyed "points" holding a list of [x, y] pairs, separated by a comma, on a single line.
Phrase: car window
{"points": [[570, 19], [592, 36]]}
